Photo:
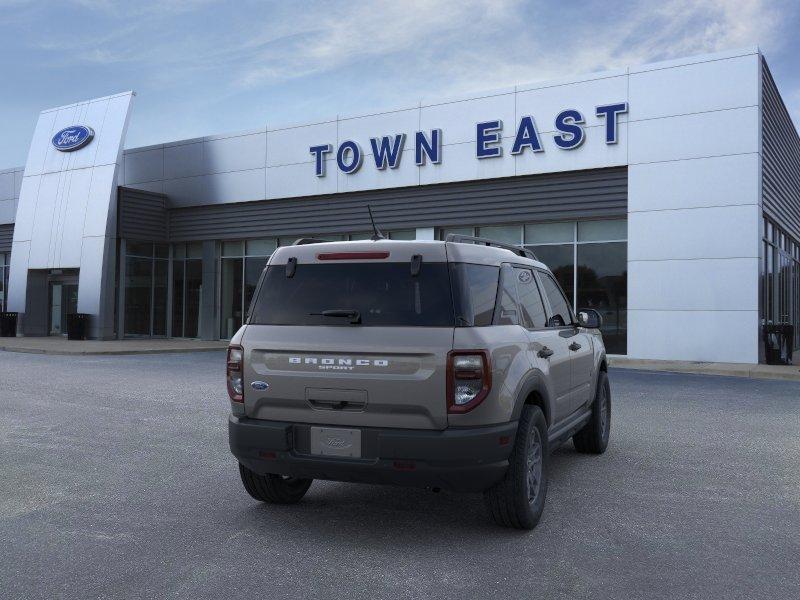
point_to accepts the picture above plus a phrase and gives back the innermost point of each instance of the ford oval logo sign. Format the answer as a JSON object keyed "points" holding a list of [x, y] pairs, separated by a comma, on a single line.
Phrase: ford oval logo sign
{"points": [[72, 138]]}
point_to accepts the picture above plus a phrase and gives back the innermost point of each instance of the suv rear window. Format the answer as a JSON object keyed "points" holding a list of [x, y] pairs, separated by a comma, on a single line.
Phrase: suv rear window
{"points": [[384, 294]]}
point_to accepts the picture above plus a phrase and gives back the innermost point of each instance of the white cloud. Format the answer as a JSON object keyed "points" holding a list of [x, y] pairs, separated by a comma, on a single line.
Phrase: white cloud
{"points": [[673, 29], [458, 44], [383, 53], [328, 40]]}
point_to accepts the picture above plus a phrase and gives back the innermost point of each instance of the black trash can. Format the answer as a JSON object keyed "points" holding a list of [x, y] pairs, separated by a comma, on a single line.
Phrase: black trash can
{"points": [[778, 344], [8, 324], [77, 324]]}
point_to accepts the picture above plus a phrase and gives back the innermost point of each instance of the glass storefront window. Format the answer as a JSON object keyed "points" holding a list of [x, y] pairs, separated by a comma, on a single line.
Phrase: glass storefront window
{"points": [[403, 234], [602, 231], [239, 274], [4, 266], [146, 288], [232, 248], [194, 288], [603, 285], [506, 234], [138, 295], [187, 284], [144, 249], [550, 233], [231, 296], [194, 250], [561, 260], [178, 290], [160, 286], [780, 282], [260, 247], [445, 231]]}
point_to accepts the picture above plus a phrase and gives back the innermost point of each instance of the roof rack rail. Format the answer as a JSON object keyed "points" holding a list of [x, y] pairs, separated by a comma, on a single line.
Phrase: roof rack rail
{"points": [[308, 240], [468, 239]]}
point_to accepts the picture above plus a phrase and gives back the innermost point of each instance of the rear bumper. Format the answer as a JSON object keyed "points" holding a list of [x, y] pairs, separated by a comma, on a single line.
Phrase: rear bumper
{"points": [[459, 459]]}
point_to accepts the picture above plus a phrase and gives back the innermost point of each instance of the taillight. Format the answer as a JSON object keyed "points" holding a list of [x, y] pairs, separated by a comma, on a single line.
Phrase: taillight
{"points": [[469, 379], [234, 373]]}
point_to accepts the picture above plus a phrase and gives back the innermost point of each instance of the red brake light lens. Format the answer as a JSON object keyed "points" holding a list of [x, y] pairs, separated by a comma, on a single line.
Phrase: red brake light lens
{"points": [[469, 379], [234, 373]]}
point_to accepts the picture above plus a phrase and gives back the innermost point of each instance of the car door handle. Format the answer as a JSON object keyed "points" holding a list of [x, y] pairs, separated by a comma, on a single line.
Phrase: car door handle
{"points": [[545, 352], [574, 346]]}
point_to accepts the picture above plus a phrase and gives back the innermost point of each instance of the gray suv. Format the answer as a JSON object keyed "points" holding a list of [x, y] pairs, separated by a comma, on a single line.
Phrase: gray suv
{"points": [[453, 364]]}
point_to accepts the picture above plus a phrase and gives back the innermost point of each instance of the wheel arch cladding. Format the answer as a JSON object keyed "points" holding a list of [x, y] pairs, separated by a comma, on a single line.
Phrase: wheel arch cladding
{"points": [[534, 392]]}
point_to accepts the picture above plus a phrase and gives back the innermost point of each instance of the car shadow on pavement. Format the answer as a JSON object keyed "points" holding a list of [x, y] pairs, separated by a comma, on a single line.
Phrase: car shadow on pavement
{"points": [[342, 510]]}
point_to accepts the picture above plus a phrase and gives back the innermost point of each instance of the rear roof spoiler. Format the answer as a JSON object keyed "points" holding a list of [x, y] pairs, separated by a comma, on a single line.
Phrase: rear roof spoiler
{"points": [[468, 239]]}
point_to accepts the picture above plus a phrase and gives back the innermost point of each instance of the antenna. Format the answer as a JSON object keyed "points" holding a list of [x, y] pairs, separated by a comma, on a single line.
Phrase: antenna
{"points": [[377, 235]]}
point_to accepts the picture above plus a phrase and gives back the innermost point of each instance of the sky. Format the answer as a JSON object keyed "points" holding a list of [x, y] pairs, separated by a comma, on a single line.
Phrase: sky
{"points": [[203, 67]]}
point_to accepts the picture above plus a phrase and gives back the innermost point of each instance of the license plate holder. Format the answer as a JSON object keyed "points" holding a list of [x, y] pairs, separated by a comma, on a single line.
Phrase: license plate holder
{"points": [[335, 441]]}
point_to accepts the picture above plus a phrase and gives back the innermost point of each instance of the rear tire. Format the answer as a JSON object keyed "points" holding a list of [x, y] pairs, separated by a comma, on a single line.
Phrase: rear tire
{"points": [[275, 489], [518, 500], [593, 438]]}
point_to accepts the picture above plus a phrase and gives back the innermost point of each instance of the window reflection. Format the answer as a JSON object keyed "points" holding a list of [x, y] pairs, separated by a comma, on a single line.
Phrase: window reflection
{"points": [[187, 283], [146, 285], [241, 267], [603, 286], [138, 283], [560, 259]]}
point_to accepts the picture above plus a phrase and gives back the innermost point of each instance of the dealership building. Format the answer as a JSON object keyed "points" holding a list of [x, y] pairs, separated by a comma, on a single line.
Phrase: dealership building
{"points": [[666, 196]]}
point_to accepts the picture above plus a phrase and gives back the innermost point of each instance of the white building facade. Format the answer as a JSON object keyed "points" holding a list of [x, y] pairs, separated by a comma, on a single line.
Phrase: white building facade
{"points": [[666, 196]]}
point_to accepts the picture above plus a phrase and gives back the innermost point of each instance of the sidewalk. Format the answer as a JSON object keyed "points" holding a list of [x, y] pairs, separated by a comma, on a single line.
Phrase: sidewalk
{"points": [[60, 345], [786, 372]]}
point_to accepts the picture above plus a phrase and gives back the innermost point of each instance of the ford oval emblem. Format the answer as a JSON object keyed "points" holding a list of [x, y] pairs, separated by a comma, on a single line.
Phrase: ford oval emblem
{"points": [[259, 385], [72, 138]]}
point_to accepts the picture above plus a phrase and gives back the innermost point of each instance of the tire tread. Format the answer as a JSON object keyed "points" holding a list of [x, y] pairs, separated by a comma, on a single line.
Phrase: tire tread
{"points": [[589, 439], [507, 500]]}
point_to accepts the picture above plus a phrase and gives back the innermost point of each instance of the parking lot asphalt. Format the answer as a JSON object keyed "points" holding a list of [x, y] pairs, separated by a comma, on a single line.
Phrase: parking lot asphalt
{"points": [[116, 482]]}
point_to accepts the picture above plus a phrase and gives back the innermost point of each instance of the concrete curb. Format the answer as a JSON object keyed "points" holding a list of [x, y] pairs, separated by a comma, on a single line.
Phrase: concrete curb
{"points": [[749, 371]]}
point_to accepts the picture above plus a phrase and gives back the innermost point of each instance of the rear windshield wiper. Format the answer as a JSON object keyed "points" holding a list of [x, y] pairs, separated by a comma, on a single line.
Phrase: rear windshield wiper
{"points": [[346, 313]]}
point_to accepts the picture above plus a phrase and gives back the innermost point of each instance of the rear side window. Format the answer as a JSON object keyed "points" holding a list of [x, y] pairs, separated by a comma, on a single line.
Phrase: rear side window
{"points": [[561, 313], [530, 300], [474, 293], [383, 294], [507, 310]]}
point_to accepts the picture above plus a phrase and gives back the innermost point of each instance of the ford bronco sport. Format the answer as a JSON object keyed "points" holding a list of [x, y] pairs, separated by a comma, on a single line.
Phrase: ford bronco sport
{"points": [[453, 364]]}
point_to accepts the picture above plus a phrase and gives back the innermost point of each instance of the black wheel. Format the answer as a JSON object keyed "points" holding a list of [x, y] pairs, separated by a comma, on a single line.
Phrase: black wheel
{"points": [[593, 438], [276, 489], [518, 500]]}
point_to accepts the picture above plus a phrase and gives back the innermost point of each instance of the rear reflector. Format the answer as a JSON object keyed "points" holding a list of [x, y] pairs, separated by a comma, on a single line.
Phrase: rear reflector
{"points": [[404, 465], [352, 255]]}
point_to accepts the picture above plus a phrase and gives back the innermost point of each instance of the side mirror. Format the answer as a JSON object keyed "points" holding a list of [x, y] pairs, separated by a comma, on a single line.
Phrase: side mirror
{"points": [[590, 318]]}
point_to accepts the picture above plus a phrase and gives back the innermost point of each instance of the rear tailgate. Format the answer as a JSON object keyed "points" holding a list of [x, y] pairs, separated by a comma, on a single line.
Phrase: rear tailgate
{"points": [[358, 376], [351, 333]]}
